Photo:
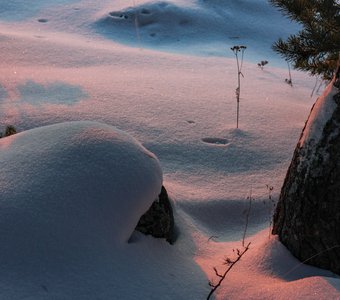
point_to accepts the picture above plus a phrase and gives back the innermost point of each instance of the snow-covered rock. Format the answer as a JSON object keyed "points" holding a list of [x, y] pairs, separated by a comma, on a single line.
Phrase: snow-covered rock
{"points": [[307, 218], [71, 195], [71, 190], [158, 221]]}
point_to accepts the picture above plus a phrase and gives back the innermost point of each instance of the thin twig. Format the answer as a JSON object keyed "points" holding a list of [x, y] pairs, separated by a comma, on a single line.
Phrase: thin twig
{"points": [[231, 265], [247, 217], [316, 83], [216, 272], [271, 208], [212, 237], [289, 81], [315, 255]]}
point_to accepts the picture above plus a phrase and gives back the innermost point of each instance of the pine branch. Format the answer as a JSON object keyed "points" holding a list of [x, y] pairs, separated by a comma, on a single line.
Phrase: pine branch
{"points": [[315, 48]]}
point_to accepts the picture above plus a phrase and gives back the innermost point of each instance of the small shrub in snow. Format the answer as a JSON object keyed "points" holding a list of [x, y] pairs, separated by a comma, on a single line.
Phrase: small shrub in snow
{"points": [[239, 60], [9, 130], [230, 262], [262, 63], [238, 253]]}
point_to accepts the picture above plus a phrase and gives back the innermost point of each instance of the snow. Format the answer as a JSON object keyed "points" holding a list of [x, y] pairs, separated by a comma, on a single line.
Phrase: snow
{"points": [[323, 110], [66, 61], [77, 171], [71, 196], [207, 27]]}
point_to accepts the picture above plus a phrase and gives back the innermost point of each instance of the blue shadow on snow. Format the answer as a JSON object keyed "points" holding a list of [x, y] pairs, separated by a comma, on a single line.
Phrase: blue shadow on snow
{"points": [[18, 10], [53, 93], [3, 93]]}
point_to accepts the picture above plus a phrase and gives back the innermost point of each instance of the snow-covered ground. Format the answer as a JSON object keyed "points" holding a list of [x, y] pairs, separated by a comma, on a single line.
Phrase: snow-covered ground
{"points": [[163, 72]]}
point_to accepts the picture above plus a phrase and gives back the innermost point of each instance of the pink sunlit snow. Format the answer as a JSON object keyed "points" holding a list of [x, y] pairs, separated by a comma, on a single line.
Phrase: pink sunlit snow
{"points": [[78, 79]]}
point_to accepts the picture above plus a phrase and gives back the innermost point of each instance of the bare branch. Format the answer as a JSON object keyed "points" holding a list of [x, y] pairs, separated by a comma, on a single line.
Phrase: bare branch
{"points": [[216, 272], [212, 237], [250, 198], [222, 277]]}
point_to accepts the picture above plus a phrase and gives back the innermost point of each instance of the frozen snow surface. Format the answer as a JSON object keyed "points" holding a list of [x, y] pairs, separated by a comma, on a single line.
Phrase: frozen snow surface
{"points": [[208, 27], [73, 185]]}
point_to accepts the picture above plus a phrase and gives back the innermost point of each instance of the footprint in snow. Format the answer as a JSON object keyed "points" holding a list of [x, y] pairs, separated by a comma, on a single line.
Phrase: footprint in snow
{"points": [[215, 141]]}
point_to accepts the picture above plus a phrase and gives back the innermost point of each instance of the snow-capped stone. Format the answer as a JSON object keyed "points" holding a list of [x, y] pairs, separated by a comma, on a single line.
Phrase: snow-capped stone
{"points": [[71, 190], [307, 217], [158, 221]]}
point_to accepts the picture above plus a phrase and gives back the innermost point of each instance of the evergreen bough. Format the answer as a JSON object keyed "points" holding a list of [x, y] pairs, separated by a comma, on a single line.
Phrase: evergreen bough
{"points": [[315, 48]]}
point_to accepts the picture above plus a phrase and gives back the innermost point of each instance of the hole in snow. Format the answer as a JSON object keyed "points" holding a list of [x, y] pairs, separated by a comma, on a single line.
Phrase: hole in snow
{"points": [[118, 15], [215, 141], [42, 20], [145, 11]]}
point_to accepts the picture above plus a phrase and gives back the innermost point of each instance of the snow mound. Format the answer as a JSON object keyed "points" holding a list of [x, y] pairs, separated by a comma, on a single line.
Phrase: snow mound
{"points": [[71, 190], [155, 23], [209, 26]]}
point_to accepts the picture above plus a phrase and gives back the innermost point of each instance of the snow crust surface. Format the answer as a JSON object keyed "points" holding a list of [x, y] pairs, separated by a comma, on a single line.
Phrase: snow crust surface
{"points": [[167, 79], [199, 27]]}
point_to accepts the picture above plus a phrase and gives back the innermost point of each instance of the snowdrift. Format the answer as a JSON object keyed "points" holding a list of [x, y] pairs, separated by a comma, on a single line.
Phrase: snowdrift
{"points": [[200, 27], [71, 196], [76, 187]]}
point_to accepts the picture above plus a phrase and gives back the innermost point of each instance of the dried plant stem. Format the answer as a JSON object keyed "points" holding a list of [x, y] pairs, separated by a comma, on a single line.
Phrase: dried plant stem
{"points": [[231, 264], [239, 62], [238, 89], [289, 81], [272, 206], [315, 85], [250, 198], [239, 253]]}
